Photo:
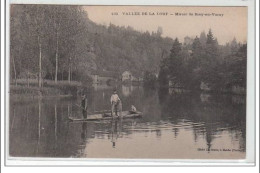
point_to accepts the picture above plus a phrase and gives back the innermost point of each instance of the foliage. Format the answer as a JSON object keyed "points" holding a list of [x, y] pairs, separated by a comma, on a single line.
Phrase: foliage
{"points": [[219, 67], [149, 80], [46, 38], [74, 46], [61, 42]]}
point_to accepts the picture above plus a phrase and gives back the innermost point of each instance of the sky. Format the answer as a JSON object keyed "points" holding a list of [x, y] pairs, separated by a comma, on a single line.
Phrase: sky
{"points": [[225, 22]]}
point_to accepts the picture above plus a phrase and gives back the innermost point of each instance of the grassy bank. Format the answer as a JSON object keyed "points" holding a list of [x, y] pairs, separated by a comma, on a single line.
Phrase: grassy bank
{"points": [[49, 88]]}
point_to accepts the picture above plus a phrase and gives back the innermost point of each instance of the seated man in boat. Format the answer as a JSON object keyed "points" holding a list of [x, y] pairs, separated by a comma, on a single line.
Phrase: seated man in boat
{"points": [[115, 104], [133, 108], [84, 105]]}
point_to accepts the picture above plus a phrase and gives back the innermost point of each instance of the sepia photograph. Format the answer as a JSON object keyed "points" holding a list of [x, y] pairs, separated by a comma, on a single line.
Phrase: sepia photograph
{"points": [[127, 82]]}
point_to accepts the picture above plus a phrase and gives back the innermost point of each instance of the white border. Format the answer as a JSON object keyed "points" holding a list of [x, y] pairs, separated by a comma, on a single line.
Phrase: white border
{"points": [[250, 101], [139, 2], [250, 156]]}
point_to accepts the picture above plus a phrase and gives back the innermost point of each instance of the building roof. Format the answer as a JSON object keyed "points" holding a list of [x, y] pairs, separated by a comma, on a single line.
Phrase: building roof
{"points": [[126, 72], [133, 73]]}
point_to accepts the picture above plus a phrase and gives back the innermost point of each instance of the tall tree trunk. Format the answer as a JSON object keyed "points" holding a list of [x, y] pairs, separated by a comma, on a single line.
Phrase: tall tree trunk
{"points": [[71, 74], [28, 83], [69, 70], [57, 52], [40, 49], [62, 74], [40, 62], [56, 69]]}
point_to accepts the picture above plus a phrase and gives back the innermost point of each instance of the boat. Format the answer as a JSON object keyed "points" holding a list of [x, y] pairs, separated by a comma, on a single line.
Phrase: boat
{"points": [[107, 116]]}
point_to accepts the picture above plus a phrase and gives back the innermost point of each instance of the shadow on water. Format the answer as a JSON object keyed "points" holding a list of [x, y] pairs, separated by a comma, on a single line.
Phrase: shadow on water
{"points": [[40, 127]]}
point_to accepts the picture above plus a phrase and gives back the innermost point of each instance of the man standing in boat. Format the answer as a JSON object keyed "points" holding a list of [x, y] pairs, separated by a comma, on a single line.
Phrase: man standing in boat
{"points": [[116, 104], [84, 105]]}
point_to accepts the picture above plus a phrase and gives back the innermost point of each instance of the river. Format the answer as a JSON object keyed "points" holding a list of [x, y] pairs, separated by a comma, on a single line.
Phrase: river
{"points": [[175, 125]]}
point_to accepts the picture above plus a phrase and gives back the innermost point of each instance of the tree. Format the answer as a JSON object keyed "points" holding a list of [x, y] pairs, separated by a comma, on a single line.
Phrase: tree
{"points": [[176, 49], [236, 68], [149, 79], [210, 64], [197, 53], [211, 45], [203, 39], [37, 25], [195, 64], [163, 77], [15, 38], [172, 67], [175, 67], [57, 25], [234, 46], [159, 31]]}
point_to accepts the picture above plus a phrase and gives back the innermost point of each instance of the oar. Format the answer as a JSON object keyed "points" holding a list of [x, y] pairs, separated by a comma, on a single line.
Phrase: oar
{"points": [[80, 107]]}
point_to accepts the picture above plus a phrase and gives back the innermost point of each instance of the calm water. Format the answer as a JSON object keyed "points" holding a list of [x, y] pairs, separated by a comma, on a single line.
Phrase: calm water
{"points": [[174, 125]]}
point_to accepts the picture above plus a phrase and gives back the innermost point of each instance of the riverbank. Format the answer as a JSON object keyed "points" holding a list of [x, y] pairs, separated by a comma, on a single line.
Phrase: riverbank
{"points": [[234, 90], [49, 89]]}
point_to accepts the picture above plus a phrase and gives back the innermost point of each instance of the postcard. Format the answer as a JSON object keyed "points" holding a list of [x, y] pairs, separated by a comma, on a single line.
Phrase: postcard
{"points": [[128, 82]]}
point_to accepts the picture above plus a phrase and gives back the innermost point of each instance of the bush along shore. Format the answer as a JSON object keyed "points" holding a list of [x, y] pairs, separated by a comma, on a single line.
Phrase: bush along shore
{"points": [[49, 89]]}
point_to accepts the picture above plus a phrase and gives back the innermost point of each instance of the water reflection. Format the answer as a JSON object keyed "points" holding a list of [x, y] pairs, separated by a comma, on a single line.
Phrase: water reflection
{"points": [[176, 125], [128, 89], [39, 124], [114, 133]]}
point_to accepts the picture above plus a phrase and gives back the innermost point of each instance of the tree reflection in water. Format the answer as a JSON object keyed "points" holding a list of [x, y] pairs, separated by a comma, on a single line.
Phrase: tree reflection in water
{"points": [[42, 129]]}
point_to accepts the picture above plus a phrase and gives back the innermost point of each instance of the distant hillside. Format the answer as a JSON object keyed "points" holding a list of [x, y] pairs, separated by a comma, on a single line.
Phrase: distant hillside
{"points": [[122, 48]]}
